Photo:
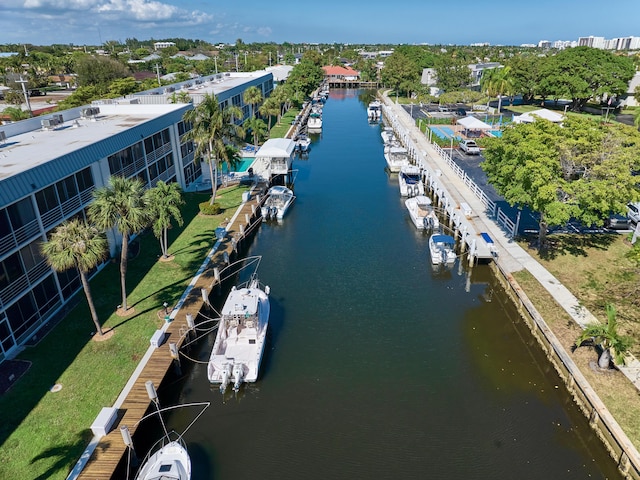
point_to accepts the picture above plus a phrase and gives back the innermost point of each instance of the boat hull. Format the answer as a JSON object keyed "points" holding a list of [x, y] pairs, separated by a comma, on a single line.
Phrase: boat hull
{"points": [[241, 337]]}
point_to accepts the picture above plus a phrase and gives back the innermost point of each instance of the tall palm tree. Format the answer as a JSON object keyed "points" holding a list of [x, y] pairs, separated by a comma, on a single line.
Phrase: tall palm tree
{"points": [[496, 82], [270, 108], [252, 96], [212, 128], [164, 201], [121, 205], [607, 336], [257, 127], [76, 244]]}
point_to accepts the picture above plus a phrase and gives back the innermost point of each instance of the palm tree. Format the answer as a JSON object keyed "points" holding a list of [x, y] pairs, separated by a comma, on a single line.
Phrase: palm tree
{"points": [[252, 96], [212, 128], [608, 338], [270, 108], [76, 244], [164, 202], [121, 204], [496, 82], [257, 127]]}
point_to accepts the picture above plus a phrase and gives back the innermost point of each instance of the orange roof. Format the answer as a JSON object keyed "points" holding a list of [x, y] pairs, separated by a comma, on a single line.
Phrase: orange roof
{"points": [[332, 70]]}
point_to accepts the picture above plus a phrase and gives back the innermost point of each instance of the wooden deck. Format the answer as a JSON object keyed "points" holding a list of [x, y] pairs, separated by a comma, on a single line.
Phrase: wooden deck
{"points": [[106, 458]]}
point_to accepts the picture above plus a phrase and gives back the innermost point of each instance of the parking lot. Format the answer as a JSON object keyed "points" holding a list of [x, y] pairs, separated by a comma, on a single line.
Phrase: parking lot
{"points": [[528, 223]]}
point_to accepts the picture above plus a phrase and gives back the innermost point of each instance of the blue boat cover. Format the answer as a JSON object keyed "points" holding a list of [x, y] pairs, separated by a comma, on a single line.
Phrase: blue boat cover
{"points": [[486, 237]]}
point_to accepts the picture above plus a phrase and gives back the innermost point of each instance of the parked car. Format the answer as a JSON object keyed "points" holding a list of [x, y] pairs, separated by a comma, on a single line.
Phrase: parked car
{"points": [[617, 222], [461, 112], [469, 147], [633, 212]]}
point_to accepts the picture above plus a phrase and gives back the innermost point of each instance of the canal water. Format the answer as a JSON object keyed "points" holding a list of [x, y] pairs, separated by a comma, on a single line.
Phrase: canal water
{"points": [[376, 365]]}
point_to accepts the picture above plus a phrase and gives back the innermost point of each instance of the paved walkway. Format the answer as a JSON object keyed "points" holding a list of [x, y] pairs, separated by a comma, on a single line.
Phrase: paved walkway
{"points": [[511, 257]]}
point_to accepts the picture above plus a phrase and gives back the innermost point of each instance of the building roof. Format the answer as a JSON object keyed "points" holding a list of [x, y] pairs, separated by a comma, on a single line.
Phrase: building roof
{"points": [[280, 72], [27, 157], [541, 113], [334, 70], [277, 147], [472, 123]]}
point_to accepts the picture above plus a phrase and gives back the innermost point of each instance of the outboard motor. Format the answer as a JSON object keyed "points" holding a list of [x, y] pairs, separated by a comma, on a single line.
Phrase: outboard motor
{"points": [[226, 376], [237, 374]]}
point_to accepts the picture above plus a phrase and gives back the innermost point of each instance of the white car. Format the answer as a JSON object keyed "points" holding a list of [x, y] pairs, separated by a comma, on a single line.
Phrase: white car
{"points": [[469, 147], [633, 212]]}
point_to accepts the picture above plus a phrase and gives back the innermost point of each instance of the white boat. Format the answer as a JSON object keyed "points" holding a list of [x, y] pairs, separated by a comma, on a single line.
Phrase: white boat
{"points": [[167, 460], [302, 143], [314, 123], [242, 331], [396, 158], [442, 249], [388, 137], [374, 111], [278, 201], [422, 213], [410, 181]]}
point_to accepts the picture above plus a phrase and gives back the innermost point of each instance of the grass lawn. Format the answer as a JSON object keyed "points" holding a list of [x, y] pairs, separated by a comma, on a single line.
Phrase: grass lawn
{"points": [[43, 434], [595, 270], [281, 129]]}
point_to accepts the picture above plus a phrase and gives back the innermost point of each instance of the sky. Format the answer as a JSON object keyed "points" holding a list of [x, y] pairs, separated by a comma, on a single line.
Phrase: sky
{"points": [[498, 22]]}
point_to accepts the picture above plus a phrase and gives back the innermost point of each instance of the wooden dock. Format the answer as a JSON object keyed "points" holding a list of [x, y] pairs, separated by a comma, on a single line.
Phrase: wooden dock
{"points": [[106, 459]]}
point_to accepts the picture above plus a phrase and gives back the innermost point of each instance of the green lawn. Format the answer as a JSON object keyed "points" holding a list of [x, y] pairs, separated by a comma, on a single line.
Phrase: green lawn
{"points": [[281, 129], [43, 434]]}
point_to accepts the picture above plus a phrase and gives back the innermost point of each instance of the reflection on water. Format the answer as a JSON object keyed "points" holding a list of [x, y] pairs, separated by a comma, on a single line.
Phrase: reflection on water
{"points": [[376, 365]]}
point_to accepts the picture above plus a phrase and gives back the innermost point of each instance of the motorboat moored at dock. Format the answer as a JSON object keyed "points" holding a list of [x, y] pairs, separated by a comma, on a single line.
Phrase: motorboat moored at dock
{"points": [[442, 249], [239, 345], [422, 213], [396, 157], [410, 181], [374, 111], [279, 199]]}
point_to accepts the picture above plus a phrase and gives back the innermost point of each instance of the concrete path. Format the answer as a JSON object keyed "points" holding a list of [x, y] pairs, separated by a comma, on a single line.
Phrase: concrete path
{"points": [[511, 257]]}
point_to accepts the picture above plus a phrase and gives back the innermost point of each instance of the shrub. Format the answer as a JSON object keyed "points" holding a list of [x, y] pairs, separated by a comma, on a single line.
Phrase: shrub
{"points": [[208, 209]]}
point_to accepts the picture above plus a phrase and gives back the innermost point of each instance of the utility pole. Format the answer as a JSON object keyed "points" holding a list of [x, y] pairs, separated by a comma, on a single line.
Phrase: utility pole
{"points": [[215, 62], [158, 74], [26, 95]]}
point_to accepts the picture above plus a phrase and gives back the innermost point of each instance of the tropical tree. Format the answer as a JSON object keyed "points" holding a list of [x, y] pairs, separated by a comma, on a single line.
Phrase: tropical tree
{"points": [[121, 205], [607, 337], [212, 129], [269, 108], [76, 244], [16, 113], [257, 127], [496, 82], [580, 170], [164, 201], [399, 72], [252, 96]]}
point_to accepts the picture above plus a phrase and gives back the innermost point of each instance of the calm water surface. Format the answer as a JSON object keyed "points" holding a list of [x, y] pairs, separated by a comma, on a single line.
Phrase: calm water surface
{"points": [[376, 366]]}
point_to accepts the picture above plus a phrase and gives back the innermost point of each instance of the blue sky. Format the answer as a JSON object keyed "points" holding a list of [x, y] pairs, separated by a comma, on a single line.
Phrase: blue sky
{"points": [[514, 22]]}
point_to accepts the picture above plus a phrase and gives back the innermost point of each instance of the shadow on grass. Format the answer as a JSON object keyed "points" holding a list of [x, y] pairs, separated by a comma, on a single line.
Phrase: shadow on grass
{"points": [[60, 457], [575, 245], [67, 350]]}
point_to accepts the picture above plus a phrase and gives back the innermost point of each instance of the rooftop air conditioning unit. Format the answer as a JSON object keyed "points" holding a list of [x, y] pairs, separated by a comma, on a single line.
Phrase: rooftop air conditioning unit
{"points": [[169, 90], [3, 137]]}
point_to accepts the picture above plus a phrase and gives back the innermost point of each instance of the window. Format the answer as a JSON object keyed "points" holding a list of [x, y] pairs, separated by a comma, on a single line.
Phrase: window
{"points": [[47, 199], [21, 213], [10, 270], [31, 255], [5, 228], [84, 179], [67, 188], [22, 315]]}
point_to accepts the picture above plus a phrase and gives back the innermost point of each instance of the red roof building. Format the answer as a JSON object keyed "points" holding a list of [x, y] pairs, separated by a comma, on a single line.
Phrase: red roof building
{"points": [[347, 74]]}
